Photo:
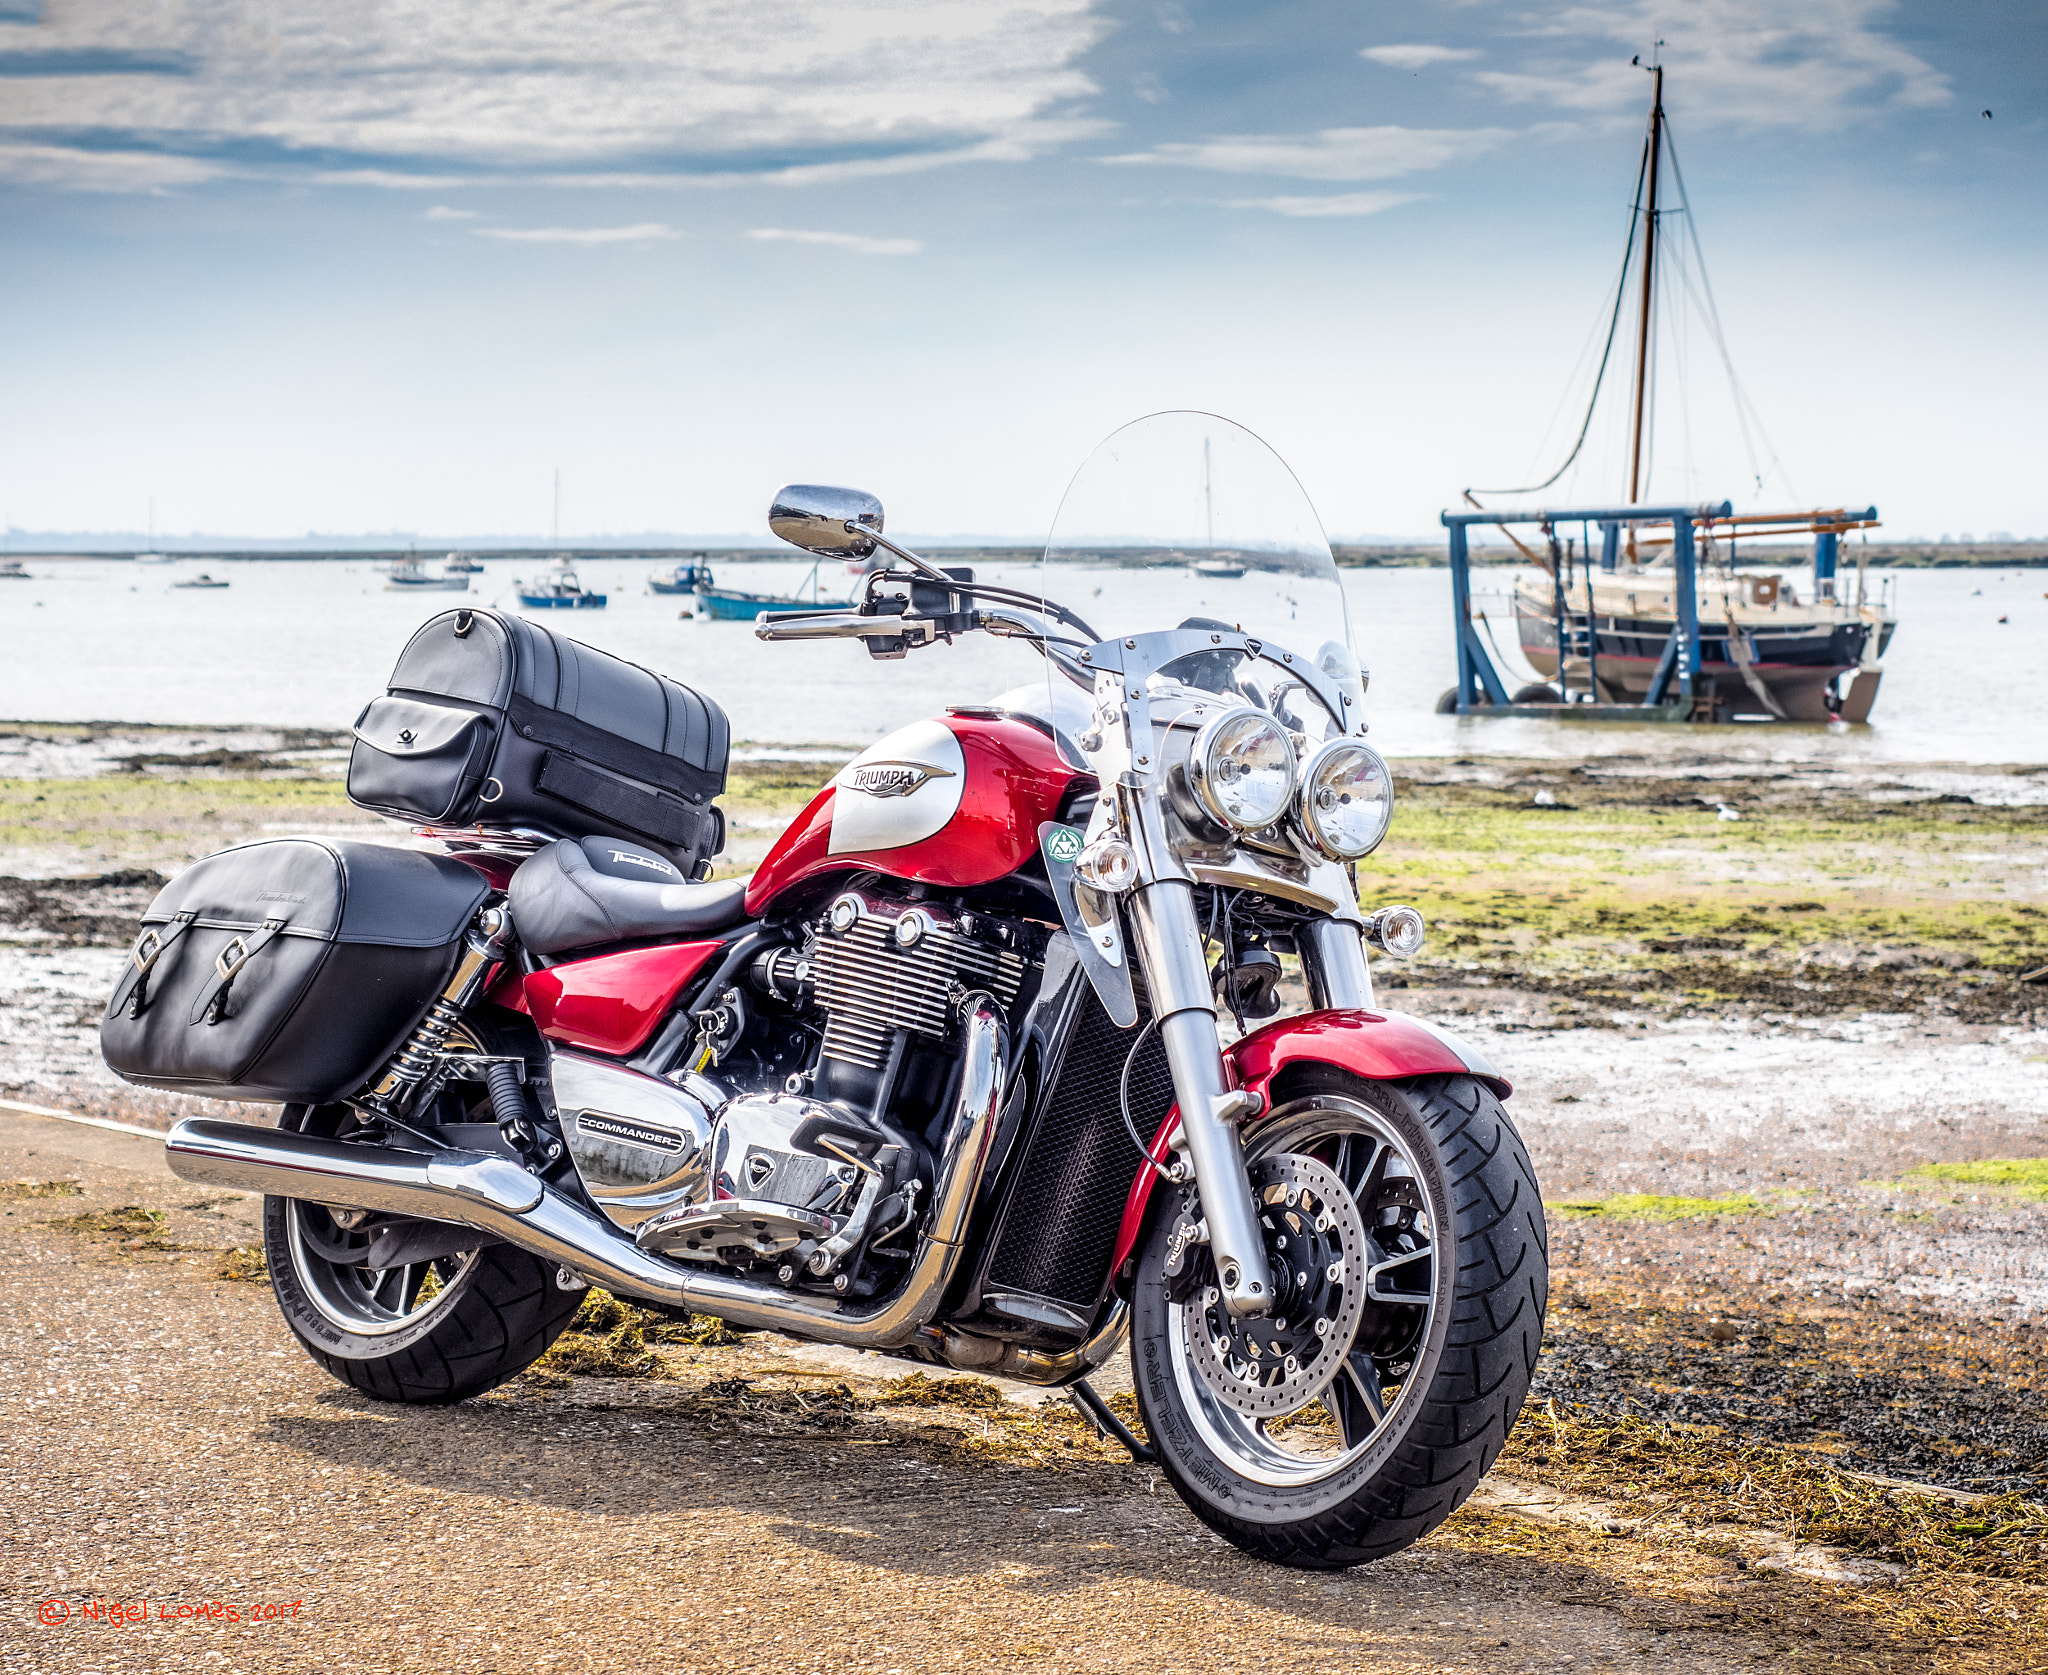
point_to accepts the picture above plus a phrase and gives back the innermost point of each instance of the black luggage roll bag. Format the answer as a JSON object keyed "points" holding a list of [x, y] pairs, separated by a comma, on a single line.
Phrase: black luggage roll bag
{"points": [[287, 970], [496, 720]]}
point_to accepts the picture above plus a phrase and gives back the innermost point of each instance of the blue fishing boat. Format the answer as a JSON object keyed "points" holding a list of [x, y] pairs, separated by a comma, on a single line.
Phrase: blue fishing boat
{"points": [[684, 577], [559, 592], [730, 604]]}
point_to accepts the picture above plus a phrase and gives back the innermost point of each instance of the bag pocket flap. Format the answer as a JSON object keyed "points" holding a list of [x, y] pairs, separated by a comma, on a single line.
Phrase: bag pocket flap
{"points": [[407, 727]]}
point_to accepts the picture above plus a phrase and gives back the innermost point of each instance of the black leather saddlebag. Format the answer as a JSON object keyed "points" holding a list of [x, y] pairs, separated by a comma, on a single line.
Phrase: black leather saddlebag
{"points": [[490, 718], [287, 970]]}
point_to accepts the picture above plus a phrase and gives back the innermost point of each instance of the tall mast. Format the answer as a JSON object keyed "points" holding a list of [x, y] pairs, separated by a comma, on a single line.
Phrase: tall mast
{"points": [[1635, 454]]}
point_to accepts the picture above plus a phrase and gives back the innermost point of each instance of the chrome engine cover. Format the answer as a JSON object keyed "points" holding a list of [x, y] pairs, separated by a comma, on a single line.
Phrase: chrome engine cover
{"points": [[765, 1197], [640, 1144]]}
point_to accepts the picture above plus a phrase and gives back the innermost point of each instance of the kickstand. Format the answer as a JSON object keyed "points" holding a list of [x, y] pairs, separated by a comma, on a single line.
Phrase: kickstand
{"points": [[1099, 1414]]}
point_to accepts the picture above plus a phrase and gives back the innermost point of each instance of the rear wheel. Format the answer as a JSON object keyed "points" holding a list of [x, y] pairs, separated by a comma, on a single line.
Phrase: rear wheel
{"points": [[427, 1325], [1405, 1232]]}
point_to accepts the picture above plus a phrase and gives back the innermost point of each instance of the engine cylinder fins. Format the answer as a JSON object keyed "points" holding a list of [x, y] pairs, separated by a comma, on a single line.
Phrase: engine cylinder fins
{"points": [[882, 965]]}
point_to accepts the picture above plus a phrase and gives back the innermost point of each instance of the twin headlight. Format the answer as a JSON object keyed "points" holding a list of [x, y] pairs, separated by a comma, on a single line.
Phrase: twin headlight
{"points": [[1244, 773]]}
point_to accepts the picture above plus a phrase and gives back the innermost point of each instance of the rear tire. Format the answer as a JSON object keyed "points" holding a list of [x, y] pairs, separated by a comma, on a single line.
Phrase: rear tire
{"points": [[430, 1333], [1348, 1476], [1538, 693]]}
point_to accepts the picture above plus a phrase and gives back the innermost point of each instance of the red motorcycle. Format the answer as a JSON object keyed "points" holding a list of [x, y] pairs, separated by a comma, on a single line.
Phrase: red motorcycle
{"points": [[945, 1077]]}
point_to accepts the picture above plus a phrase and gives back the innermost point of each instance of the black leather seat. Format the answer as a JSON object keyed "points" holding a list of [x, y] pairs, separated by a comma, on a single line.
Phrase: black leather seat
{"points": [[579, 892]]}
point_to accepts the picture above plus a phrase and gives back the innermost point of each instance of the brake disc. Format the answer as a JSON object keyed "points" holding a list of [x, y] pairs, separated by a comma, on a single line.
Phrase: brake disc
{"points": [[1316, 1247]]}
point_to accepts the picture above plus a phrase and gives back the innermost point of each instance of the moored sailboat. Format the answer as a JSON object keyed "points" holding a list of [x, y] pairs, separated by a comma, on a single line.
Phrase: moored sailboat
{"points": [[1597, 626]]}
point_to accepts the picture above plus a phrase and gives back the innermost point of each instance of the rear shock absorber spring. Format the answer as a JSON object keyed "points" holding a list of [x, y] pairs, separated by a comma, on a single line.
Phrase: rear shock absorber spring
{"points": [[482, 951]]}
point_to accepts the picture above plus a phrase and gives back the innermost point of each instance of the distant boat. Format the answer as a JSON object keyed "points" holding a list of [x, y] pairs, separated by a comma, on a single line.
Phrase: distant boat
{"points": [[1218, 569], [559, 592], [462, 564], [729, 604], [11, 571], [202, 580], [410, 578], [155, 558], [684, 578]]}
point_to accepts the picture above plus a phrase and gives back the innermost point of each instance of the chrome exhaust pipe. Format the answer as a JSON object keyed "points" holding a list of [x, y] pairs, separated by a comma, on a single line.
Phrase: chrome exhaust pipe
{"points": [[496, 1196]]}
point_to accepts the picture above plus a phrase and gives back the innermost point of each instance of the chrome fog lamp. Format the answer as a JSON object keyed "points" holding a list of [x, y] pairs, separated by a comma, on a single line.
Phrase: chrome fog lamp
{"points": [[1396, 930], [1347, 799], [1108, 864], [1242, 769]]}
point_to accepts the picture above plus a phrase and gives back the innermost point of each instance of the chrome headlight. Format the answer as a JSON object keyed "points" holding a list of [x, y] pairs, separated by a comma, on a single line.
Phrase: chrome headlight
{"points": [[1347, 799], [1242, 769]]}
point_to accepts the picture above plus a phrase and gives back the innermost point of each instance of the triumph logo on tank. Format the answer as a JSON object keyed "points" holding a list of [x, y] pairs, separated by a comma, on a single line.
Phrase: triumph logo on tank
{"points": [[893, 779]]}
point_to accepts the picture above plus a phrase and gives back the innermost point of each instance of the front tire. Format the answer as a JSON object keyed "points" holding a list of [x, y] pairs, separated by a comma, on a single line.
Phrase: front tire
{"points": [[1322, 1454]]}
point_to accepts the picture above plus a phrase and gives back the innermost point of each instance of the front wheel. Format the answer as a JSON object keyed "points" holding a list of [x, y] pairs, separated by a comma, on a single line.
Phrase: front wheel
{"points": [[1405, 1231]]}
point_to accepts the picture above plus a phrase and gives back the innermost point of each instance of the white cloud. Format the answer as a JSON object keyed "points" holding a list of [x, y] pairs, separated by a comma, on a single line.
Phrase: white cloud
{"points": [[441, 212], [99, 171], [1815, 64], [1337, 203], [1418, 55], [841, 241], [681, 89], [642, 232], [1332, 154]]}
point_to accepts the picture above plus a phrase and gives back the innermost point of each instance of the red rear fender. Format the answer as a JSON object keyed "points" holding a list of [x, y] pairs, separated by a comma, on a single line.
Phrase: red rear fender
{"points": [[1375, 1046]]}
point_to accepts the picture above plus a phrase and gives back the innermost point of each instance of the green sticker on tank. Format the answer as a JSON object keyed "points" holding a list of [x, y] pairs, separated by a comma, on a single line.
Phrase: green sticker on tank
{"points": [[1062, 844]]}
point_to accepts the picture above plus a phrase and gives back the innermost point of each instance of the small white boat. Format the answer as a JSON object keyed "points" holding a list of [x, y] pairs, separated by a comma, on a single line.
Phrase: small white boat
{"points": [[409, 577], [462, 564], [202, 580], [11, 571], [1218, 569], [155, 558]]}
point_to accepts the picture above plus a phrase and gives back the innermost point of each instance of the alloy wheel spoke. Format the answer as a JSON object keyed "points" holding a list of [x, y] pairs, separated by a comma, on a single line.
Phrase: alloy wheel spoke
{"points": [[1354, 1399], [1375, 1273]]}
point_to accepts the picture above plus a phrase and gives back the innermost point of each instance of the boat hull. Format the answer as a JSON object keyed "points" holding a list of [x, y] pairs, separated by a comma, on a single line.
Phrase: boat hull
{"points": [[547, 602], [1797, 670], [723, 606]]}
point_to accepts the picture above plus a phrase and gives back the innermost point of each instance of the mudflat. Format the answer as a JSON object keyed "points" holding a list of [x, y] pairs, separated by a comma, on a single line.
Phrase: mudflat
{"points": [[1784, 1079]]}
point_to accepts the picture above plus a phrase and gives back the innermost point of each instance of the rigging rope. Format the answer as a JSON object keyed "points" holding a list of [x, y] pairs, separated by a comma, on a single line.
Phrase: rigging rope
{"points": [[1607, 350]]}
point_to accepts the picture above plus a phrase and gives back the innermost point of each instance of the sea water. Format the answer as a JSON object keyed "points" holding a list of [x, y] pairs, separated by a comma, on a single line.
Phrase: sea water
{"points": [[309, 643]]}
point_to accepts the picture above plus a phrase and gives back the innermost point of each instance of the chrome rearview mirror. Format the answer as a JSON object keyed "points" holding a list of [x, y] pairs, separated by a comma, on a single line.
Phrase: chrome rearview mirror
{"points": [[814, 516]]}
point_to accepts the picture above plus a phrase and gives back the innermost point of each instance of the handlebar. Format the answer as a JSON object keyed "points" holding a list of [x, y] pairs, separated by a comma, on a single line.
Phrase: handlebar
{"points": [[817, 625]]}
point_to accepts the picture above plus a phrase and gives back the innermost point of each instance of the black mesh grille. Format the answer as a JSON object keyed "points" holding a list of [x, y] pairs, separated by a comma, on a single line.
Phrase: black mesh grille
{"points": [[1061, 1230]]}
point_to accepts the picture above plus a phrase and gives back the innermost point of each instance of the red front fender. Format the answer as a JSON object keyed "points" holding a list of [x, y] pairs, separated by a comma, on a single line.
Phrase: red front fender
{"points": [[1378, 1046]]}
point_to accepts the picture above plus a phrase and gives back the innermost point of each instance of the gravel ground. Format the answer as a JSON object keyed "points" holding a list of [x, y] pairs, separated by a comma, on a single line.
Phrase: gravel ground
{"points": [[167, 1442]]}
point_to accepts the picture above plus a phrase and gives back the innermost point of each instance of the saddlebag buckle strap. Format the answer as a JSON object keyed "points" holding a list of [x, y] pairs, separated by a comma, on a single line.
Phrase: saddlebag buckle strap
{"points": [[150, 947], [212, 1004]]}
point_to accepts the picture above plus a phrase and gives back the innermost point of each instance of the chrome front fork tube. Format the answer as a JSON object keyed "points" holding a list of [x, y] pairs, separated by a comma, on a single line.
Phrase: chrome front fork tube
{"points": [[1333, 960], [1169, 940]]}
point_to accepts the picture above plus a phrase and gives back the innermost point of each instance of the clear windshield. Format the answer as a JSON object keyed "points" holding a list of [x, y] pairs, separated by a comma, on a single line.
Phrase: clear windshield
{"points": [[1186, 519]]}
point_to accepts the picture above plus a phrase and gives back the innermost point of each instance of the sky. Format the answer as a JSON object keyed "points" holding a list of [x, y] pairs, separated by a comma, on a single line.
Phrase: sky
{"points": [[350, 266]]}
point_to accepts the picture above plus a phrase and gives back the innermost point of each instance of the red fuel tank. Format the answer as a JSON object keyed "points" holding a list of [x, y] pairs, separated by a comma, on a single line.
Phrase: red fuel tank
{"points": [[954, 802]]}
